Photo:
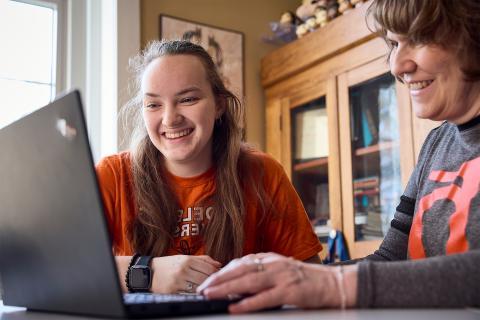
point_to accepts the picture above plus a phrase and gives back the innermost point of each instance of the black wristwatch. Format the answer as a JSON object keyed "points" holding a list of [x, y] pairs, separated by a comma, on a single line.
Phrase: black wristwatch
{"points": [[139, 274]]}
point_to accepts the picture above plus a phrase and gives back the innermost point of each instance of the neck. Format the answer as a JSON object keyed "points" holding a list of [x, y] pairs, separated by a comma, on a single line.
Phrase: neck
{"points": [[187, 171], [473, 112], [472, 99]]}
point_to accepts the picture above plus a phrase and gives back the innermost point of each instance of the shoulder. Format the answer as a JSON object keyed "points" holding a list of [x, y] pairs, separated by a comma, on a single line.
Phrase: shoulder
{"points": [[261, 166], [116, 165], [438, 131], [118, 160], [253, 156], [432, 139], [434, 148]]}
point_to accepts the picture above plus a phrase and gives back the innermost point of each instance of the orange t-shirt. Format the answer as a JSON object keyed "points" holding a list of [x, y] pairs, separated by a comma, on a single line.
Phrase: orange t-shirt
{"points": [[287, 232]]}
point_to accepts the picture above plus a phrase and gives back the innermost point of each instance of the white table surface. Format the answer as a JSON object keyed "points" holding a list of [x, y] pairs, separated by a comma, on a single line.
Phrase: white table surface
{"points": [[14, 313]]}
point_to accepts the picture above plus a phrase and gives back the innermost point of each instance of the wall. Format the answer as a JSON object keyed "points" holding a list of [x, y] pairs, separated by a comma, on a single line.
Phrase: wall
{"points": [[248, 16]]}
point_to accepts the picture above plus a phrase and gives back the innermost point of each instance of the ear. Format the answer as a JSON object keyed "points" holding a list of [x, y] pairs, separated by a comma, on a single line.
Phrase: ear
{"points": [[221, 106]]}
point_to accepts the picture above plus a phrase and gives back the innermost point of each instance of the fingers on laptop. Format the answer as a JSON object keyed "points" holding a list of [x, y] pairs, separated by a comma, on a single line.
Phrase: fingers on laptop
{"points": [[181, 273], [238, 268], [205, 264]]}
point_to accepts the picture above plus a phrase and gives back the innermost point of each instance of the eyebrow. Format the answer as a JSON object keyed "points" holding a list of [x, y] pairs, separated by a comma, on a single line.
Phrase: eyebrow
{"points": [[182, 92]]}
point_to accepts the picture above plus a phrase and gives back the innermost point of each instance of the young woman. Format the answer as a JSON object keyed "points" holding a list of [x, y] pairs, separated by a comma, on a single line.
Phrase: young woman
{"points": [[431, 254], [189, 195]]}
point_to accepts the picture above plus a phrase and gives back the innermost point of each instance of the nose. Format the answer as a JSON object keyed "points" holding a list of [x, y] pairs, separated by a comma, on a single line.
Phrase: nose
{"points": [[171, 117], [402, 61]]}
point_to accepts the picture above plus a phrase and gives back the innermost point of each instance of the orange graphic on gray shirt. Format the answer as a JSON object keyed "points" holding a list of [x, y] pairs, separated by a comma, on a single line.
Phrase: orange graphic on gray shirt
{"points": [[460, 196]]}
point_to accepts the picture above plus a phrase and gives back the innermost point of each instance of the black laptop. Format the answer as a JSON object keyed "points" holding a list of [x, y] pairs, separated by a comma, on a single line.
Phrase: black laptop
{"points": [[55, 249]]}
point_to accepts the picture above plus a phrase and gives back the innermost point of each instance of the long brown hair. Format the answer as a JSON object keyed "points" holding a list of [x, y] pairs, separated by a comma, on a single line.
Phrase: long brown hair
{"points": [[451, 24], [151, 231]]}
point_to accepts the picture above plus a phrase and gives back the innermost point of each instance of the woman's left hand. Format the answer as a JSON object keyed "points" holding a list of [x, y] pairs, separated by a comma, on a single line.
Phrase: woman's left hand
{"points": [[270, 280]]}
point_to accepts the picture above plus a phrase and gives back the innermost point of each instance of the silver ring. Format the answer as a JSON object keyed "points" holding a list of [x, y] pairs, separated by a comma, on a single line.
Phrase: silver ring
{"points": [[260, 266], [190, 286]]}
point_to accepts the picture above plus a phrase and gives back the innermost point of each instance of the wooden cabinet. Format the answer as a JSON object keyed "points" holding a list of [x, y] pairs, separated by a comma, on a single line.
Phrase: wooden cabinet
{"points": [[342, 127]]}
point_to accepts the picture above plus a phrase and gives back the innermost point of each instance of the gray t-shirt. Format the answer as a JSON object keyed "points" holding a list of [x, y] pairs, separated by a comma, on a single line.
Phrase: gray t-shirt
{"points": [[438, 218]]}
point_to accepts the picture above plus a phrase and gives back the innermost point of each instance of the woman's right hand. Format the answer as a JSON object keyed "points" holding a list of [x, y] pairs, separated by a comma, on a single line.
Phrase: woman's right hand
{"points": [[271, 280], [181, 273]]}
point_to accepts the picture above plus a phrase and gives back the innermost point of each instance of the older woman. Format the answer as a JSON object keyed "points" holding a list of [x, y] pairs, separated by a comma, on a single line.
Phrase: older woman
{"points": [[431, 254]]}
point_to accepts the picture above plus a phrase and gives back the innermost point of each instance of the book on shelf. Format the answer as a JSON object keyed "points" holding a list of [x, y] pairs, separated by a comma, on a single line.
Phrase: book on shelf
{"points": [[373, 227], [369, 128], [370, 180], [311, 134], [360, 218], [366, 192]]}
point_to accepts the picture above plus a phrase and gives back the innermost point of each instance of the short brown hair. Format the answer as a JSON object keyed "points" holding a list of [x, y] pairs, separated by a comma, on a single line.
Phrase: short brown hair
{"points": [[442, 22]]}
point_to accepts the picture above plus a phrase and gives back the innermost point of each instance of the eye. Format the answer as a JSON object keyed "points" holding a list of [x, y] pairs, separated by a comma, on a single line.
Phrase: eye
{"points": [[189, 100], [392, 43], [151, 105]]}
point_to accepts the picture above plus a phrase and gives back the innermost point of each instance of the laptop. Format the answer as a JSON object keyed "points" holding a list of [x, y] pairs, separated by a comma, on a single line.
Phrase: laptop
{"points": [[55, 248]]}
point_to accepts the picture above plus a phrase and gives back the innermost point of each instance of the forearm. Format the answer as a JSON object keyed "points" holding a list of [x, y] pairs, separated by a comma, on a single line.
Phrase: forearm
{"points": [[443, 281], [350, 283]]}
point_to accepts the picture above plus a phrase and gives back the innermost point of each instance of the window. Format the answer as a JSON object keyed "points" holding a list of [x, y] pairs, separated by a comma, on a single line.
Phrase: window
{"points": [[30, 57]]}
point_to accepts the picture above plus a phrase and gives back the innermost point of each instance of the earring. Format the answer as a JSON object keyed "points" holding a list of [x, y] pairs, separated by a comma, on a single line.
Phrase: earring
{"points": [[219, 121]]}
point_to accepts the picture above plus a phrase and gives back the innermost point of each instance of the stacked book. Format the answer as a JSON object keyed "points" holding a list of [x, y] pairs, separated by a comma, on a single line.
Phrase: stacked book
{"points": [[367, 210], [366, 190], [373, 227]]}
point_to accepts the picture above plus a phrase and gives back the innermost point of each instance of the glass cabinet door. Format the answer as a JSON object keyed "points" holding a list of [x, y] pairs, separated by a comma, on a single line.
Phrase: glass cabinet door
{"points": [[371, 159], [309, 152], [374, 128]]}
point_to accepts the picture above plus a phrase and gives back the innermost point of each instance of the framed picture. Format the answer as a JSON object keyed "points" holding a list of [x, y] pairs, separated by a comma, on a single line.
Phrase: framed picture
{"points": [[224, 46]]}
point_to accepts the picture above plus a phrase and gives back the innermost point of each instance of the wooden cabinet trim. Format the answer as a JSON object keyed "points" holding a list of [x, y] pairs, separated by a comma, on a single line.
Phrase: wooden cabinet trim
{"points": [[346, 160], [273, 113], [306, 85], [367, 71], [334, 179], [286, 137]]}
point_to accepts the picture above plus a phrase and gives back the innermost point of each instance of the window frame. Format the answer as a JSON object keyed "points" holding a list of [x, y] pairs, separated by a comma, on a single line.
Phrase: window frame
{"points": [[60, 8]]}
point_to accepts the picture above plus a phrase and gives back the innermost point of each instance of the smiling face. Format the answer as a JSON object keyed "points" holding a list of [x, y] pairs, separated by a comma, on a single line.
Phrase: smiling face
{"points": [[179, 112], [436, 83]]}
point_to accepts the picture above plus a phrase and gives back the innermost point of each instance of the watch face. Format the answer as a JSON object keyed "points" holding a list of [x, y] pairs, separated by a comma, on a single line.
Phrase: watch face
{"points": [[140, 277]]}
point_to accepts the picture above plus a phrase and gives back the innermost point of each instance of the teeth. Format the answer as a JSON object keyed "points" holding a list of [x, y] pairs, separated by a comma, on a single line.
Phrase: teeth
{"points": [[175, 135], [419, 85]]}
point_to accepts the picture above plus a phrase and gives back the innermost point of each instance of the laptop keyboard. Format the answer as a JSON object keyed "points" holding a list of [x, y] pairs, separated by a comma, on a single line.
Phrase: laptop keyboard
{"points": [[140, 298]]}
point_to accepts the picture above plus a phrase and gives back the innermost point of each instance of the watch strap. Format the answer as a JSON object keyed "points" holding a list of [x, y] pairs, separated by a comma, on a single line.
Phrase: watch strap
{"points": [[143, 261]]}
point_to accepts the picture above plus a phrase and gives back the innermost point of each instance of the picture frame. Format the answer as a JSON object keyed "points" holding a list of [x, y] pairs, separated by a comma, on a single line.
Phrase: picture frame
{"points": [[225, 46]]}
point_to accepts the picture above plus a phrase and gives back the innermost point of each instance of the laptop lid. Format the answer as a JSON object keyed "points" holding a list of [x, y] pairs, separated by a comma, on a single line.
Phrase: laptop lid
{"points": [[55, 251]]}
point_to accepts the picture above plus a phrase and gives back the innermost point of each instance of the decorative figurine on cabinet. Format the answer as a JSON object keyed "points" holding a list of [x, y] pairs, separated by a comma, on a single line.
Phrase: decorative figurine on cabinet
{"points": [[312, 24], [344, 6], [301, 30], [306, 9], [332, 9], [289, 18], [357, 3], [321, 16], [284, 31]]}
